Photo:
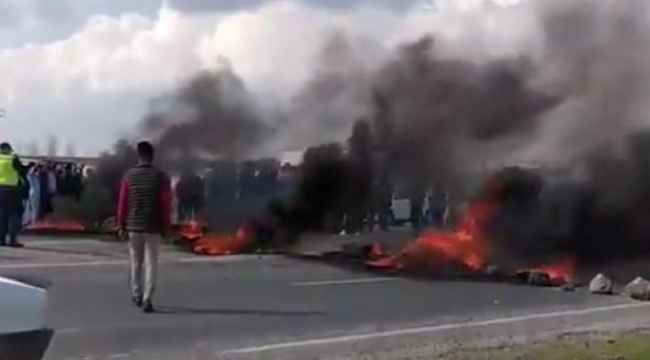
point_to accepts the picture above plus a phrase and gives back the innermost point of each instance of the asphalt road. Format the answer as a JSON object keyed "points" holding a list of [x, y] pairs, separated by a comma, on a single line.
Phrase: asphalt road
{"points": [[212, 308]]}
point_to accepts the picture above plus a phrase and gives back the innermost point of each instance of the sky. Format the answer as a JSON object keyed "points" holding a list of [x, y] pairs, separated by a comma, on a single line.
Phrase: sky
{"points": [[84, 72]]}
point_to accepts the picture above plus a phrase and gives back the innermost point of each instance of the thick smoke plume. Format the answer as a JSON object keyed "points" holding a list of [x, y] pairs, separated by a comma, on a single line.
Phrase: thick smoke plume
{"points": [[574, 105], [595, 55], [212, 116], [593, 147], [444, 112], [575, 109], [427, 112], [98, 201]]}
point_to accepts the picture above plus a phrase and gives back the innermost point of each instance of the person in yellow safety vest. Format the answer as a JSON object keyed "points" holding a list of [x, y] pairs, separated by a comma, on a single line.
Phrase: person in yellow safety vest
{"points": [[12, 184]]}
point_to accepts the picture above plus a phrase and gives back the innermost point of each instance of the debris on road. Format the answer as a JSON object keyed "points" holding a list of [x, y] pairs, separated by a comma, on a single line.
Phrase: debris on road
{"points": [[534, 278], [601, 285], [638, 289], [569, 286]]}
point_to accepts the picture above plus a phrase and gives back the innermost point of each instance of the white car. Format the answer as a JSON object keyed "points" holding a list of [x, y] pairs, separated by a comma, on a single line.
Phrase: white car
{"points": [[401, 210], [23, 334], [401, 207]]}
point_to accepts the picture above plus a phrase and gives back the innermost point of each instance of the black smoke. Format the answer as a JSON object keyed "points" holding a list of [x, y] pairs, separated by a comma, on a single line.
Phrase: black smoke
{"points": [[99, 199], [578, 104], [441, 110], [596, 217], [210, 118], [424, 112], [321, 189], [592, 148], [332, 185], [576, 112]]}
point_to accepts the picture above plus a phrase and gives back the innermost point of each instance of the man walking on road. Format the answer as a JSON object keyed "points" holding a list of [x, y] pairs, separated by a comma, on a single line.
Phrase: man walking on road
{"points": [[143, 215]]}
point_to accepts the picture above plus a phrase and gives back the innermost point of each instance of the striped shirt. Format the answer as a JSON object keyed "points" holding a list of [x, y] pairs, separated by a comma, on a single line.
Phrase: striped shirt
{"points": [[144, 203]]}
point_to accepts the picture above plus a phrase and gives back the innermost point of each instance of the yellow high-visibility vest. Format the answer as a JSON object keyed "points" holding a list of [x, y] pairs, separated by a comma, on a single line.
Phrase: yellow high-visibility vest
{"points": [[8, 174]]}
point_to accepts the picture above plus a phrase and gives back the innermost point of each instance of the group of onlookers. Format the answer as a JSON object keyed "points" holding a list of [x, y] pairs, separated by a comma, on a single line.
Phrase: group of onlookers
{"points": [[228, 191], [46, 181], [27, 191]]}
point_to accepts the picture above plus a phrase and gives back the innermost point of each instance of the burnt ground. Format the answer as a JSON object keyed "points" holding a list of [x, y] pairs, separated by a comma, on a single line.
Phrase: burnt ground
{"points": [[317, 247], [336, 250], [316, 244], [274, 307]]}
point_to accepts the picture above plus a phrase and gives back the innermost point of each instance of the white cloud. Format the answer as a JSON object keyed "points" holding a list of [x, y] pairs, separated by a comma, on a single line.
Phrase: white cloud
{"points": [[100, 77]]}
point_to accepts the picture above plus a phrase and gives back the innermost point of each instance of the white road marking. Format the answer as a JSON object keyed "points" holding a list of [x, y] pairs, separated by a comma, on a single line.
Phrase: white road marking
{"points": [[186, 260], [119, 356], [430, 329], [69, 330], [62, 264], [344, 281]]}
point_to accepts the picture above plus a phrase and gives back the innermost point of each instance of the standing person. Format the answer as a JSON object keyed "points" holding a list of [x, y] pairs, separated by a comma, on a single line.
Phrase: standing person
{"points": [[417, 195], [143, 215], [12, 183], [383, 197], [33, 200], [45, 197], [360, 155]]}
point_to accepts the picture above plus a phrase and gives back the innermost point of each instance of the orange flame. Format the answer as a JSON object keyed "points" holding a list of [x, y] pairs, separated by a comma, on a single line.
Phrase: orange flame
{"points": [[57, 225], [559, 272], [203, 243], [190, 230], [376, 252], [221, 244], [466, 244]]}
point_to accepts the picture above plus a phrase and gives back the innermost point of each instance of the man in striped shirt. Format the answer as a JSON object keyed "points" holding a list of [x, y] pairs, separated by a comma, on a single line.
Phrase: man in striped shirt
{"points": [[143, 215]]}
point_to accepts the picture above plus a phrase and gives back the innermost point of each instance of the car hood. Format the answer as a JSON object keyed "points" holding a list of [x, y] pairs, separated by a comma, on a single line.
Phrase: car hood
{"points": [[23, 303]]}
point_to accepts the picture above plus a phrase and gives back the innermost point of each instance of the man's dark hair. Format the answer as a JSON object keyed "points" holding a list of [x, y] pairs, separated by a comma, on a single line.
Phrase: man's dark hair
{"points": [[145, 151]]}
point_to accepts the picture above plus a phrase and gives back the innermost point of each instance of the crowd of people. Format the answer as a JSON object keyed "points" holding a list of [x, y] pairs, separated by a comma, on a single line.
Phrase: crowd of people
{"points": [[373, 188], [27, 191], [225, 195], [47, 180], [230, 191]]}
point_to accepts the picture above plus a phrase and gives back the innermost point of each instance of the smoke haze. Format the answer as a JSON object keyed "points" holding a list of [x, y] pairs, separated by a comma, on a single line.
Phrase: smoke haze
{"points": [[568, 92], [581, 71], [593, 56]]}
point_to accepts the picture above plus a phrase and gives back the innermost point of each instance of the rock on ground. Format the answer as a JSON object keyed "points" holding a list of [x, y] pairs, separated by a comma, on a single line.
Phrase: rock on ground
{"points": [[638, 289], [601, 285]]}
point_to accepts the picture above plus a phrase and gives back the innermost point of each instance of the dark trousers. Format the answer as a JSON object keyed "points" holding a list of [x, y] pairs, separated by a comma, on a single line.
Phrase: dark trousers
{"points": [[416, 214], [184, 211], [10, 214], [382, 213], [355, 218], [188, 208]]}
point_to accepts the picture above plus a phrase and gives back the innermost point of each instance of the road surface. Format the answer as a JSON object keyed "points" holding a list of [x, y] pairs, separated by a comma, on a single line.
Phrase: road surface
{"points": [[259, 307]]}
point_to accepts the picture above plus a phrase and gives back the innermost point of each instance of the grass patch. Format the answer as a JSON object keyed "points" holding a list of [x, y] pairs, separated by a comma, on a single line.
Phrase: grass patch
{"points": [[628, 346]]}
